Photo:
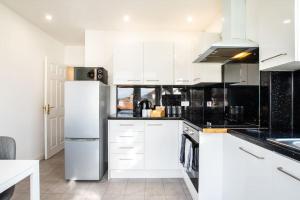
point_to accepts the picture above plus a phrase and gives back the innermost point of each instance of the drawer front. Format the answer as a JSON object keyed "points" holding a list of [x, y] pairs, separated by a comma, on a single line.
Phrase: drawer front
{"points": [[127, 148], [126, 126], [127, 137], [124, 161]]}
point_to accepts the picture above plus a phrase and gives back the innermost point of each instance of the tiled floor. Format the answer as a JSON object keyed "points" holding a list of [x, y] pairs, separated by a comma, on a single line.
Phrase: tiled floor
{"points": [[54, 187]]}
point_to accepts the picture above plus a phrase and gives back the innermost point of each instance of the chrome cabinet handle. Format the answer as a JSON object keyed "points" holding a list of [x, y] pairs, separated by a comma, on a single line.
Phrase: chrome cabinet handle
{"points": [[288, 173], [152, 80], [154, 124], [278, 55], [125, 159], [184, 81], [126, 124], [126, 147], [132, 80], [258, 157], [124, 136]]}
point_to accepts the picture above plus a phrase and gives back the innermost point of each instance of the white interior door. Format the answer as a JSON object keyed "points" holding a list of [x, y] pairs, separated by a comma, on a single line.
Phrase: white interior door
{"points": [[55, 75]]}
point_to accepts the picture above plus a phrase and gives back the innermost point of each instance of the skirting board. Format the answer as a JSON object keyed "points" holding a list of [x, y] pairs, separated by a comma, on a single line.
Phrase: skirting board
{"points": [[144, 174]]}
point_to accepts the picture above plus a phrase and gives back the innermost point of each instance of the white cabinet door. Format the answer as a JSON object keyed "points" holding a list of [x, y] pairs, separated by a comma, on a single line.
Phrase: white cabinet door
{"points": [[128, 64], [246, 170], [207, 73], [182, 63], [233, 169], [158, 63], [211, 166], [285, 178], [276, 32], [257, 175], [161, 145]]}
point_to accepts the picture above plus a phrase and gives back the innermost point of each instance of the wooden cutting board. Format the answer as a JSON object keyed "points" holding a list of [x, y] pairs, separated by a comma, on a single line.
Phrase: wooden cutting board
{"points": [[214, 130]]}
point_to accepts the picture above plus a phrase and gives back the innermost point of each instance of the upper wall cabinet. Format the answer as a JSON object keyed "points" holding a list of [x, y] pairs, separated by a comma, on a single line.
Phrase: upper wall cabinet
{"points": [[183, 63], [158, 63], [128, 64], [279, 34], [207, 73]]}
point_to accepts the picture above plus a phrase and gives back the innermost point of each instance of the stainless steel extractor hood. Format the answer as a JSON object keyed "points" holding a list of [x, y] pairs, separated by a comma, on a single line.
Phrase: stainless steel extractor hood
{"points": [[234, 46]]}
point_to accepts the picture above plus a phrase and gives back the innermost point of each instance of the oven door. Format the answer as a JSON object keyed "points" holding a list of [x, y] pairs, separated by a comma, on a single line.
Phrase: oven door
{"points": [[190, 159]]}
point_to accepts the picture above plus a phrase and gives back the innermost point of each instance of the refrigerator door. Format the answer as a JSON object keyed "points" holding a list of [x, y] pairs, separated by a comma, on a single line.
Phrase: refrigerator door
{"points": [[82, 109], [82, 159]]}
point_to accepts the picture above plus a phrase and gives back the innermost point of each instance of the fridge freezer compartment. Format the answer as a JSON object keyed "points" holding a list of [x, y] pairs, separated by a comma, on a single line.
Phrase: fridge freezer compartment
{"points": [[82, 159]]}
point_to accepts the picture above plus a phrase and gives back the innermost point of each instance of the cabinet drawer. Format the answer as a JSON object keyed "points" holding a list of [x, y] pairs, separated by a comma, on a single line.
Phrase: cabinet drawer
{"points": [[127, 148], [126, 126], [124, 161], [132, 137]]}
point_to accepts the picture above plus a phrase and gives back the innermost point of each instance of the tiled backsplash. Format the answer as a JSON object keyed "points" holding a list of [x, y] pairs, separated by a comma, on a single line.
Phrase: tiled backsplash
{"points": [[280, 100]]}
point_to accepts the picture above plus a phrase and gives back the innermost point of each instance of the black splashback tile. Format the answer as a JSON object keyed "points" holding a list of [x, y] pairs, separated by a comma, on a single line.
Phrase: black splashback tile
{"points": [[296, 101], [265, 86], [281, 101]]}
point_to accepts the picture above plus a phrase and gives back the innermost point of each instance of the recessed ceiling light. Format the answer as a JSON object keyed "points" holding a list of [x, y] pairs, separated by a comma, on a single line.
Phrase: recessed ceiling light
{"points": [[48, 17], [126, 18], [189, 19], [287, 21]]}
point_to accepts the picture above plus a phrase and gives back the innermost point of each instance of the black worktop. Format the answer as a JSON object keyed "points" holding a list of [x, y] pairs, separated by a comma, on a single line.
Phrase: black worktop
{"points": [[260, 137], [131, 117], [190, 118]]}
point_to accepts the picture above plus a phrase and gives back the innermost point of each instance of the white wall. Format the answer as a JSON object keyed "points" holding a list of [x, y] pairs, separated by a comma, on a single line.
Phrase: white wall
{"points": [[74, 56], [99, 47], [22, 51]]}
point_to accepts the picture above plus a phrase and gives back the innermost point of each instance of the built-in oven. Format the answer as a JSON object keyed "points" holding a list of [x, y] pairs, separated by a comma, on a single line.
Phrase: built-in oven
{"points": [[189, 155]]}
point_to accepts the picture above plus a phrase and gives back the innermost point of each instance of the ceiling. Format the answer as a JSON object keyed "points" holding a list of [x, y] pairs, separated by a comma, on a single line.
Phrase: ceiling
{"points": [[72, 17]]}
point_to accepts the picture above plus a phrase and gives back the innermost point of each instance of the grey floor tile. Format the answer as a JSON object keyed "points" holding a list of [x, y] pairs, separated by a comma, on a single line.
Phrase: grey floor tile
{"points": [[154, 189], [55, 187]]}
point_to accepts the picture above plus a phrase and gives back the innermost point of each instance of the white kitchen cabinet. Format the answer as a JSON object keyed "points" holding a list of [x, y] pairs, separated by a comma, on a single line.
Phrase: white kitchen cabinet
{"points": [[211, 166], [246, 170], [207, 73], [241, 74], [144, 148], [183, 63], [161, 145], [278, 34], [285, 182], [158, 63], [128, 64]]}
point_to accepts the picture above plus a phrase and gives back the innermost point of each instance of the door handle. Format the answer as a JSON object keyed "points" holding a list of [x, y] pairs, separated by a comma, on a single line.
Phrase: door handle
{"points": [[244, 150], [272, 57], [288, 173], [47, 108]]}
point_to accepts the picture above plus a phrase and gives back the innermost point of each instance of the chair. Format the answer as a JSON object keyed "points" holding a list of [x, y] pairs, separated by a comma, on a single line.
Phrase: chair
{"points": [[7, 152]]}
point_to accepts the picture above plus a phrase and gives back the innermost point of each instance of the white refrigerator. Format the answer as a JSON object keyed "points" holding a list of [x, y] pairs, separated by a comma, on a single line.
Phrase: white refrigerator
{"points": [[86, 109]]}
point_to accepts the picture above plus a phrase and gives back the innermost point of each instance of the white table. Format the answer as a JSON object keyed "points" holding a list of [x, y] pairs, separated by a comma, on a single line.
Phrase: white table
{"points": [[14, 171]]}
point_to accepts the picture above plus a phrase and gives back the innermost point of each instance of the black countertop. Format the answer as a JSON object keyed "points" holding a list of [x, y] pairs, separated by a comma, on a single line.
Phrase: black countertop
{"points": [[131, 117], [246, 131], [190, 118], [261, 137]]}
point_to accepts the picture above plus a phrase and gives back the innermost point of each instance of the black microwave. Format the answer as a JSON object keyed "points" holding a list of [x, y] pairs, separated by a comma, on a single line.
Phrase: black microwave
{"points": [[88, 74]]}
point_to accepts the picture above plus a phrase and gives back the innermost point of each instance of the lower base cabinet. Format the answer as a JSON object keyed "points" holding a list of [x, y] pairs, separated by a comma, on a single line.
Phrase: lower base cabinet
{"points": [[144, 149], [161, 145], [252, 172], [285, 178]]}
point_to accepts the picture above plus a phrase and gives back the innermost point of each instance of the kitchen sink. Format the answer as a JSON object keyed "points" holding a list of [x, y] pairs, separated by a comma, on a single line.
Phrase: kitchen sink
{"points": [[288, 142]]}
